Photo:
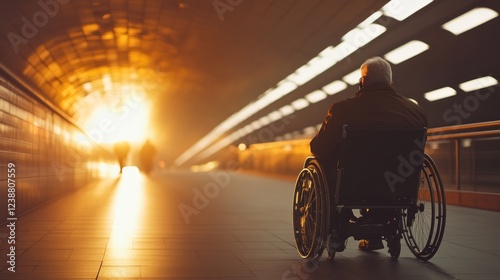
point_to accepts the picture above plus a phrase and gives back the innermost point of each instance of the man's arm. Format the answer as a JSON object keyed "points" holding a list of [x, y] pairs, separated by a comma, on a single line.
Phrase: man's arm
{"points": [[325, 143]]}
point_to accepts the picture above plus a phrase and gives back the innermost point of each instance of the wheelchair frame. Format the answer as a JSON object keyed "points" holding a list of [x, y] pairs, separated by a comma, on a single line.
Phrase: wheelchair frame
{"points": [[419, 203]]}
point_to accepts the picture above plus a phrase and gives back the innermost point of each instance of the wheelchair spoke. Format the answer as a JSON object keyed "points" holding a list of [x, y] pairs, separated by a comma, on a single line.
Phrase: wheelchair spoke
{"points": [[309, 213], [424, 233]]}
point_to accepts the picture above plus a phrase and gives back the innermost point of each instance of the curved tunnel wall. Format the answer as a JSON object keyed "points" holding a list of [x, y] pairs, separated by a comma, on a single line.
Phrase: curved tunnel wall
{"points": [[42, 154]]}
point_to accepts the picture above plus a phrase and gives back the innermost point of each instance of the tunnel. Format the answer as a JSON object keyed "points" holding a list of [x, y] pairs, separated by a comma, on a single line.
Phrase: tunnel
{"points": [[162, 139]]}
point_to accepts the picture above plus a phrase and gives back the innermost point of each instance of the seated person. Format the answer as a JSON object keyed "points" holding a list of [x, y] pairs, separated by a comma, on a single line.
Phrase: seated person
{"points": [[376, 104]]}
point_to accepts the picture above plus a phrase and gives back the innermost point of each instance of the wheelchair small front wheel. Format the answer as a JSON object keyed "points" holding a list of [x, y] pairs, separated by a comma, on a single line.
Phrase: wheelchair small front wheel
{"points": [[394, 244]]}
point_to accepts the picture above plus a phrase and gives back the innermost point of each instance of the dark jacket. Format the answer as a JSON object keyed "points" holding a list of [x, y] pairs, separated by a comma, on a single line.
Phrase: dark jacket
{"points": [[376, 105]]}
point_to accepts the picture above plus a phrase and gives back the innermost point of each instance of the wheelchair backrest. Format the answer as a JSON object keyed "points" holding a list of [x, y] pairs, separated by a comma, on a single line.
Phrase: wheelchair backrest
{"points": [[379, 167]]}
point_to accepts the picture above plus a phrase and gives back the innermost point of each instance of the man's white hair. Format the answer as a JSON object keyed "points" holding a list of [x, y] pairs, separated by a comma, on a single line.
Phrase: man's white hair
{"points": [[378, 70]]}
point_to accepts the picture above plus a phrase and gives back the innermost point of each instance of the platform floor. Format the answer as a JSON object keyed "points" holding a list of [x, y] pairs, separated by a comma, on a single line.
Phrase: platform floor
{"points": [[240, 228]]}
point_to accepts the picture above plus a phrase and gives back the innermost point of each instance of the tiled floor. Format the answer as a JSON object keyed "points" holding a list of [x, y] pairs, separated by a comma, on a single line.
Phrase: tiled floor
{"points": [[239, 227]]}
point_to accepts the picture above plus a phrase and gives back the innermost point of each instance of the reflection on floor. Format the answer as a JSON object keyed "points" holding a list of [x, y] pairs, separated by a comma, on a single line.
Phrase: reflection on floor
{"points": [[216, 226]]}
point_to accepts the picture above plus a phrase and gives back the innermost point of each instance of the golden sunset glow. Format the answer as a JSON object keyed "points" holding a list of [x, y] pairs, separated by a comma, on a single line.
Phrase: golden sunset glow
{"points": [[127, 209], [124, 118]]}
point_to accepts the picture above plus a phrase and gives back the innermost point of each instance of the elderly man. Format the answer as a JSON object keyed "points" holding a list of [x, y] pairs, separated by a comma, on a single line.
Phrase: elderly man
{"points": [[376, 104]]}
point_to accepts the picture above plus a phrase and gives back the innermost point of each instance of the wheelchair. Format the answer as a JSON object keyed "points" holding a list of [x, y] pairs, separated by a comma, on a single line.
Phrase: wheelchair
{"points": [[376, 169]]}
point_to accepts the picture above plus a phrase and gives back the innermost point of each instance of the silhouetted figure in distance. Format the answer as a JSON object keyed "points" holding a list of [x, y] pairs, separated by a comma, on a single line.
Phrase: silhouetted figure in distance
{"points": [[121, 150], [146, 155]]}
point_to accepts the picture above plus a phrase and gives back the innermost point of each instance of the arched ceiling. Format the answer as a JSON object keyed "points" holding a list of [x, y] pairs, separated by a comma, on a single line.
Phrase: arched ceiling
{"points": [[199, 61]]}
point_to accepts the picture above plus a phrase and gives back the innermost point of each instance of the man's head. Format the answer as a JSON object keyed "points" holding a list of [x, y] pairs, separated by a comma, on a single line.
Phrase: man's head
{"points": [[375, 70]]}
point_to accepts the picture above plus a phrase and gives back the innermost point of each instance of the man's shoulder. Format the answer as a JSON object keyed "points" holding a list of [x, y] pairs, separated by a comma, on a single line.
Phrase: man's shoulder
{"points": [[338, 105]]}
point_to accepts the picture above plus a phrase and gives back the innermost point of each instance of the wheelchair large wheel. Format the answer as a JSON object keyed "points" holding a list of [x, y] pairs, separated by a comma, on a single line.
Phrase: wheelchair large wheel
{"points": [[423, 225], [311, 211]]}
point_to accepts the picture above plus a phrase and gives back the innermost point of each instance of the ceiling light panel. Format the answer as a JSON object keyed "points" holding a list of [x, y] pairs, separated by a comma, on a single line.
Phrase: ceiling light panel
{"points": [[359, 37], [401, 10], [469, 20], [286, 110], [439, 94], [316, 96], [334, 87], [352, 78], [406, 51], [300, 103], [478, 83], [372, 18]]}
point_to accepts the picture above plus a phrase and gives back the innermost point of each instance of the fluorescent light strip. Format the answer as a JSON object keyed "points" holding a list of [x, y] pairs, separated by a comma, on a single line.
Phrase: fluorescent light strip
{"points": [[469, 20], [334, 87], [439, 93], [365, 32], [316, 96], [283, 88], [274, 116], [369, 20], [478, 83], [264, 120], [256, 125], [248, 129], [287, 110], [296, 105], [406, 51], [359, 37], [400, 10], [352, 78], [300, 103], [310, 130]]}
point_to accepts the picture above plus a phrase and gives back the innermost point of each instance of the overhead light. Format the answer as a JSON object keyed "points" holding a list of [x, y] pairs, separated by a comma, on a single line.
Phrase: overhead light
{"points": [[256, 125], [301, 75], [283, 88], [401, 10], [286, 110], [342, 50], [352, 78], [313, 68], [242, 132], [316, 96], [469, 20], [335, 87], [365, 32], [439, 93], [373, 17], [359, 37], [406, 51], [310, 130], [237, 134], [300, 103], [248, 129], [274, 116], [264, 120], [478, 83]]}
